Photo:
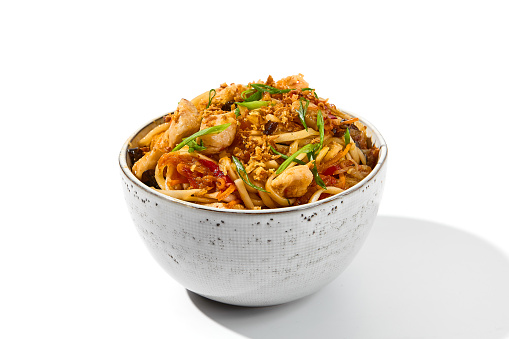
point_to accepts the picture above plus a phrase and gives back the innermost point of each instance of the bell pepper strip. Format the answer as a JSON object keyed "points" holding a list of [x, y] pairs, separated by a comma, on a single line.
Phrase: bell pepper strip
{"points": [[190, 176], [216, 171], [334, 161]]}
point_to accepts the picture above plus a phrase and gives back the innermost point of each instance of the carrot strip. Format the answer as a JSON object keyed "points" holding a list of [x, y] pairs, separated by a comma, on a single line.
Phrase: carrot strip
{"points": [[221, 183], [342, 180], [336, 159], [226, 192]]}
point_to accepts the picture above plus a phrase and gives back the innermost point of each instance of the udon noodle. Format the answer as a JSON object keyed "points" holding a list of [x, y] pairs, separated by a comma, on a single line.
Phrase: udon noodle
{"points": [[265, 145]]}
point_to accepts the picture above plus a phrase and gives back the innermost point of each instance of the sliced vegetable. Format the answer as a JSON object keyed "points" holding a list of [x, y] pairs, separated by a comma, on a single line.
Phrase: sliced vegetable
{"points": [[312, 156], [347, 136], [253, 104], [237, 112], [300, 162], [310, 89], [216, 171], [240, 168], [211, 130], [306, 149], [317, 177], [302, 113], [210, 98], [255, 95], [331, 170], [321, 128], [270, 89], [194, 146]]}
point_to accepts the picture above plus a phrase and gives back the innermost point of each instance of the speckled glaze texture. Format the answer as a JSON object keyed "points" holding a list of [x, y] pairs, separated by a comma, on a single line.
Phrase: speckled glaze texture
{"points": [[255, 258]]}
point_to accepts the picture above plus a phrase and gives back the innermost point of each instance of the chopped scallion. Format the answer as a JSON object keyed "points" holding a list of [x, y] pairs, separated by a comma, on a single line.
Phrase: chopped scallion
{"points": [[347, 136], [321, 128], [240, 168], [306, 149], [270, 89], [253, 104], [210, 98], [211, 130], [283, 156], [302, 113]]}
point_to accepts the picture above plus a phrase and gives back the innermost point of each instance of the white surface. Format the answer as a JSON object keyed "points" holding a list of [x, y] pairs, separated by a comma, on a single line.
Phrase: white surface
{"points": [[77, 78]]}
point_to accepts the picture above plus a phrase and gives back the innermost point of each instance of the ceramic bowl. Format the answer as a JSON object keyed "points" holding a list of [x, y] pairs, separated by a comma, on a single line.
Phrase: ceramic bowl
{"points": [[254, 258]]}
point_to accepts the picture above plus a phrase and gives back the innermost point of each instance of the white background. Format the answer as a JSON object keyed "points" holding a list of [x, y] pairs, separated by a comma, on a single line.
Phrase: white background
{"points": [[78, 77]]}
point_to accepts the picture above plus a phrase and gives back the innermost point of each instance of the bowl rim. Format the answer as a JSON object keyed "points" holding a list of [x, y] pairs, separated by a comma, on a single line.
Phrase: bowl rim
{"points": [[381, 161]]}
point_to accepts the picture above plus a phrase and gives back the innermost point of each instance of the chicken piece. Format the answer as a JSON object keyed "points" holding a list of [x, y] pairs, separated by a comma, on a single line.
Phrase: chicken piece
{"points": [[293, 81], [223, 95], [184, 122], [214, 143], [311, 113], [293, 182]]}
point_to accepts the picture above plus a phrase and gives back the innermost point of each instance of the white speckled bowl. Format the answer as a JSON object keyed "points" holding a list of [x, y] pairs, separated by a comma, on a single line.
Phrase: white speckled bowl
{"points": [[254, 258]]}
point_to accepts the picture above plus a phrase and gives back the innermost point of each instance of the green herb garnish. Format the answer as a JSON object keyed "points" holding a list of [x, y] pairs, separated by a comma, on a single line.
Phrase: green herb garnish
{"points": [[237, 112], [194, 146], [283, 156], [255, 95], [306, 149], [302, 113], [270, 89], [321, 128], [310, 150], [253, 104], [210, 98], [240, 168], [317, 177], [310, 89], [211, 130], [347, 136], [314, 170], [252, 97]]}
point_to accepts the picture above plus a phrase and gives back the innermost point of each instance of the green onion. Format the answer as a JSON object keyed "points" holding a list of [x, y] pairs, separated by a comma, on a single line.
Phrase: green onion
{"points": [[253, 97], [306, 149], [210, 130], [210, 99], [302, 113], [321, 125], [310, 89], [194, 146], [253, 104], [244, 94], [312, 156], [237, 112], [317, 177], [347, 136], [240, 168], [270, 89], [300, 162], [310, 150]]}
